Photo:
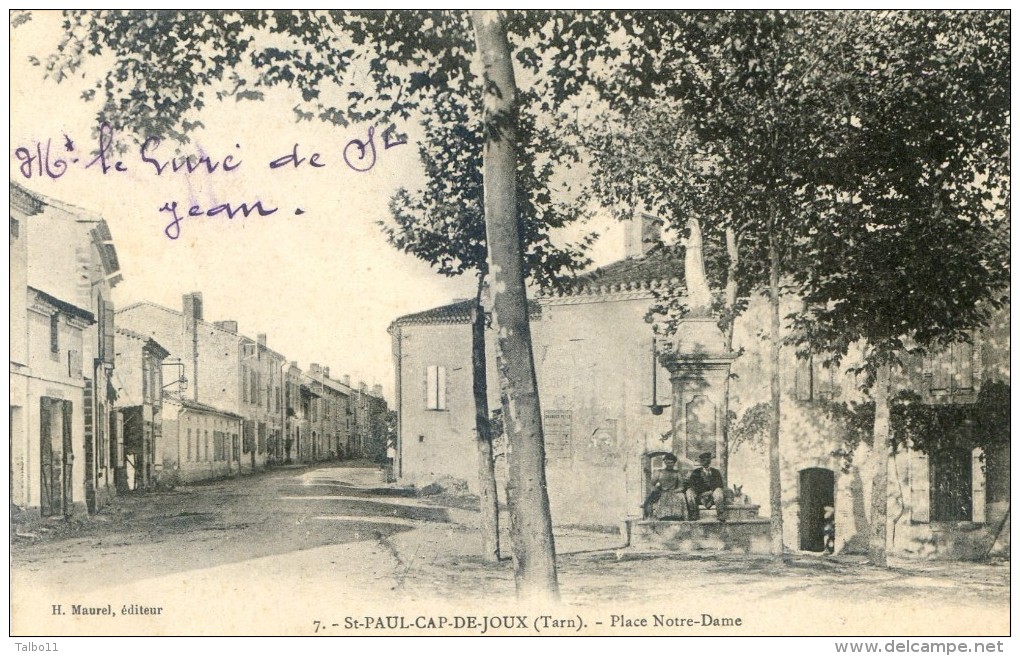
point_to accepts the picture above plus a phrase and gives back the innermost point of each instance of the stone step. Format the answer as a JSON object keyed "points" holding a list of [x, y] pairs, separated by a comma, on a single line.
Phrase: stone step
{"points": [[706, 534]]}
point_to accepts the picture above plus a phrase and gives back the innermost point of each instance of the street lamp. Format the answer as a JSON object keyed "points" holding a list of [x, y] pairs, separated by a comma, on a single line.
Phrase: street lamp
{"points": [[656, 407], [181, 381]]}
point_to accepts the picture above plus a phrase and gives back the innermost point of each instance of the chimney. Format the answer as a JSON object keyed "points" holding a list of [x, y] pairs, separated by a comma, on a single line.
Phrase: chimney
{"points": [[192, 315], [362, 387], [325, 372], [314, 369], [377, 391], [642, 233], [229, 326], [262, 340], [193, 306]]}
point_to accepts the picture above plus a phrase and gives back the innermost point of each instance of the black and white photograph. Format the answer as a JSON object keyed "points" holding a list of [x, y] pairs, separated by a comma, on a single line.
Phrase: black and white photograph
{"points": [[511, 322]]}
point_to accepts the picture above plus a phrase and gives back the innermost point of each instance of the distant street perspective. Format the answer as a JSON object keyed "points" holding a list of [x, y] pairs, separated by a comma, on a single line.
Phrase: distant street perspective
{"points": [[294, 546]]}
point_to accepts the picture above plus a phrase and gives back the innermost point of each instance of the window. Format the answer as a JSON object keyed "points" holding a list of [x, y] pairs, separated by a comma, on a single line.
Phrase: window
{"points": [[815, 381], [435, 388], [948, 485], [74, 364], [218, 446], [951, 369]]}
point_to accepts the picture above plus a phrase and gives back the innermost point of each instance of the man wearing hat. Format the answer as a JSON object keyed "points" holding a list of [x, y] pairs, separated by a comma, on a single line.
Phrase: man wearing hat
{"points": [[705, 486]]}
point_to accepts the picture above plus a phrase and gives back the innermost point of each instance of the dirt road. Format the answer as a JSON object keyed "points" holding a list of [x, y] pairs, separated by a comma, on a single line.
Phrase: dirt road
{"points": [[318, 550]]}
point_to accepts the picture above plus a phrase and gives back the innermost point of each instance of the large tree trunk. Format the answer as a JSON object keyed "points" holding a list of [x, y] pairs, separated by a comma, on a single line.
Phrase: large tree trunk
{"points": [[730, 299], [775, 481], [880, 470], [530, 521], [488, 500]]}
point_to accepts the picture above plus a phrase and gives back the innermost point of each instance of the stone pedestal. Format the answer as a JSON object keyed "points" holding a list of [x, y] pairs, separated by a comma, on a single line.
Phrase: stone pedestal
{"points": [[749, 536], [699, 367]]}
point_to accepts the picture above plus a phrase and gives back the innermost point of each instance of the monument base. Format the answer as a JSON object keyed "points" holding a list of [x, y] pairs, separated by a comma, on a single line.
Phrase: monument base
{"points": [[749, 536]]}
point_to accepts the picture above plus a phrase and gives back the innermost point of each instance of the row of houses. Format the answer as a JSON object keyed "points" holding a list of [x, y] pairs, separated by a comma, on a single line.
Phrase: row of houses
{"points": [[613, 404], [107, 400]]}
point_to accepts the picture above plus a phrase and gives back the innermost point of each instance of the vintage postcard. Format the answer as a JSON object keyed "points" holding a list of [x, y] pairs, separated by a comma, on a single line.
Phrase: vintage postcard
{"points": [[511, 323]]}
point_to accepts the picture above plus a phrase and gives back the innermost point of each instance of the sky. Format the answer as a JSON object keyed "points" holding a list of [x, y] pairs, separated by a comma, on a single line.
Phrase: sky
{"points": [[316, 275]]}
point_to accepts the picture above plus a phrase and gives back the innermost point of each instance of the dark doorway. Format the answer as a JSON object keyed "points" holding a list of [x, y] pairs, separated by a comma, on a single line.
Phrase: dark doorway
{"points": [[817, 490], [55, 457]]}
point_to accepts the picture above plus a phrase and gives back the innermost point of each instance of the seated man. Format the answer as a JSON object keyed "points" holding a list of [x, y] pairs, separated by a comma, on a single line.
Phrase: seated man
{"points": [[705, 486]]}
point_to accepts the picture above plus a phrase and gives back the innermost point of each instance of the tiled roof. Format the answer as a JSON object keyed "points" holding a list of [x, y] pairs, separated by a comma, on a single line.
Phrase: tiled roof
{"points": [[161, 352], [195, 405], [131, 333], [457, 312], [64, 306], [658, 267]]}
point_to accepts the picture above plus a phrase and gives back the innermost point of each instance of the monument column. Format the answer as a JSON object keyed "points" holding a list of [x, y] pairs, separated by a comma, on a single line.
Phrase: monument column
{"points": [[699, 366]]}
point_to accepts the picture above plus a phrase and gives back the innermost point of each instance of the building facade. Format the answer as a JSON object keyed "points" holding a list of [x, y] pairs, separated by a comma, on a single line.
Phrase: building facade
{"points": [[63, 270], [226, 372], [199, 442], [610, 402], [331, 416], [138, 383]]}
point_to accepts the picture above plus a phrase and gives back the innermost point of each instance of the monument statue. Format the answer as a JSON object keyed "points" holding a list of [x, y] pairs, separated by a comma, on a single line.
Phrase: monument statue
{"points": [[699, 297]]}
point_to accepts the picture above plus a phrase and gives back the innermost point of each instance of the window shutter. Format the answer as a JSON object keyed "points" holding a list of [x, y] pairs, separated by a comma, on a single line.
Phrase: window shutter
{"points": [[441, 388], [963, 365], [977, 481], [920, 487], [74, 364], [108, 337], [55, 334], [431, 373], [941, 374], [802, 379]]}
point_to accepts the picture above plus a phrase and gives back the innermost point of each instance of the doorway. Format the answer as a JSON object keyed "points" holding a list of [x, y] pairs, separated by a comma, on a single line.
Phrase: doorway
{"points": [[55, 456], [817, 490]]}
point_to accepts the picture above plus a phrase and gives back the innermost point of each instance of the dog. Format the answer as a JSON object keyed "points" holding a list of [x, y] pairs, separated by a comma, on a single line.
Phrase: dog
{"points": [[736, 496]]}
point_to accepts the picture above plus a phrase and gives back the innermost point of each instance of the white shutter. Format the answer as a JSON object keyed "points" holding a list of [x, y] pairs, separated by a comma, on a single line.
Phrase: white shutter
{"points": [[977, 482], [920, 487], [430, 387], [441, 388]]}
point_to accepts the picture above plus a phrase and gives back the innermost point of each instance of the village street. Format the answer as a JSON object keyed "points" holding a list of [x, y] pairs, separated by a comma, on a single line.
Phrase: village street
{"points": [[297, 550]]}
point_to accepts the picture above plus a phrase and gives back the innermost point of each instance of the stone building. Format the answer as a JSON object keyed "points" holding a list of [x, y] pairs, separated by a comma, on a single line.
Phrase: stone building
{"points": [[138, 382], [199, 442], [63, 270], [227, 372], [331, 415], [609, 403], [368, 439]]}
